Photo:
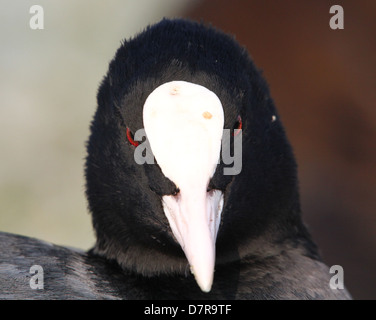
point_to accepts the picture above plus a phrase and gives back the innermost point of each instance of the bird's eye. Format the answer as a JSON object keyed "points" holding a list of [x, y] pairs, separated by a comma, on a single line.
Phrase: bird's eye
{"points": [[131, 138], [238, 126]]}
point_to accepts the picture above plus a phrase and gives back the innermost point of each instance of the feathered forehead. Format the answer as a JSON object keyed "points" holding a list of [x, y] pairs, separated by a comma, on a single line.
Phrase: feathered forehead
{"points": [[195, 45], [179, 50]]}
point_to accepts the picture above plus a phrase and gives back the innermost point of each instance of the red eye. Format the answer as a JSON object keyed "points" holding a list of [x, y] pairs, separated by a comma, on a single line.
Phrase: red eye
{"points": [[130, 138], [238, 126]]}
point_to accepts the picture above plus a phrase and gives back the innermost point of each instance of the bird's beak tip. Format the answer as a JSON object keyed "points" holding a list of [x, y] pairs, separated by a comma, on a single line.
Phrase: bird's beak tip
{"points": [[205, 286]]}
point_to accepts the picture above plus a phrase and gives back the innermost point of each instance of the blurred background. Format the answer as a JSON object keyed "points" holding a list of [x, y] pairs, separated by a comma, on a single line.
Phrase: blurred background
{"points": [[323, 82]]}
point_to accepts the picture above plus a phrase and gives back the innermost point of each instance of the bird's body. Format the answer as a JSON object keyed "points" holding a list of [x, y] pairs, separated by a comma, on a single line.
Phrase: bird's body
{"points": [[178, 228], [75, 274]]}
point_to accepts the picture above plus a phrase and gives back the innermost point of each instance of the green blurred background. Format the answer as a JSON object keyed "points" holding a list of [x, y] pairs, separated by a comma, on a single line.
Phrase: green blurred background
{"points": [[323, 82]]}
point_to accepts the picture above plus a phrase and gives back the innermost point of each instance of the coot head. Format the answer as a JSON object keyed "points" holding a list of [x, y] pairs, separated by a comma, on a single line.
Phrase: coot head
{"points": [[221, 172]]}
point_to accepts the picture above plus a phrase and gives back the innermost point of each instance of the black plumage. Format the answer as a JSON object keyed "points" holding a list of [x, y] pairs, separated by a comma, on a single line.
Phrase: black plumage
{"points": [[263, 249]]}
